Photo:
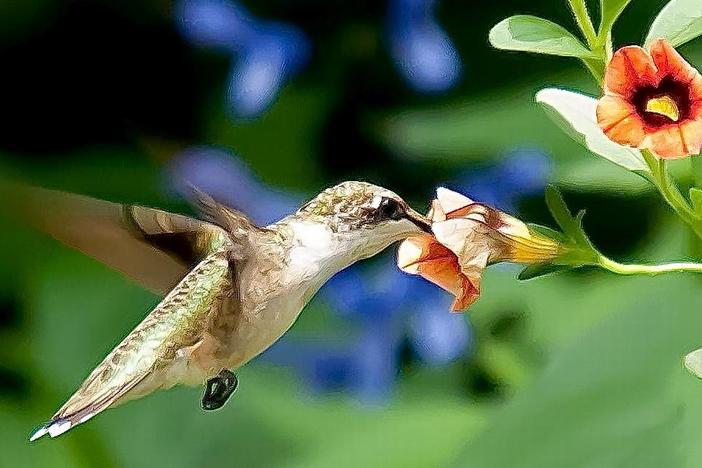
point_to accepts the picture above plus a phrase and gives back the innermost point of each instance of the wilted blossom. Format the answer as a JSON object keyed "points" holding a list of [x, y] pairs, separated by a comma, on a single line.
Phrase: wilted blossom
{"points": [[467, 237], [653, 100], [421, 49], [265, 54]]}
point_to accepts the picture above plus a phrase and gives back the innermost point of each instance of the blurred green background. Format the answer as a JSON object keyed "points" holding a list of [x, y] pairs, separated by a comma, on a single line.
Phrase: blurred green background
{"points": [[580, 369]]}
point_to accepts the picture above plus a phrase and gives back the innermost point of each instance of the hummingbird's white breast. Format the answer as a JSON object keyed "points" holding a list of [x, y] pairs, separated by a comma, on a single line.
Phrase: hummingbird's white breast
{"points": [[313, 243], [311, 253]]}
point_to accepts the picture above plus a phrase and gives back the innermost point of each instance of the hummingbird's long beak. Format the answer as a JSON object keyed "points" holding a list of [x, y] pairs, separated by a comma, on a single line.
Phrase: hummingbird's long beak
{"points": [[421, 221]]}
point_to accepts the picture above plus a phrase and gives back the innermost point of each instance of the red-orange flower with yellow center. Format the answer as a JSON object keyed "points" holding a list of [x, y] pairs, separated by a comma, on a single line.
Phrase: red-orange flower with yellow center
{"points": [[468, 236], [652, 101]]}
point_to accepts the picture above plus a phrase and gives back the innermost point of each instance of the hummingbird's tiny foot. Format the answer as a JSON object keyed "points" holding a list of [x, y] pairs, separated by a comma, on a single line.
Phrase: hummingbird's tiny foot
{"points": [[219, 389]]}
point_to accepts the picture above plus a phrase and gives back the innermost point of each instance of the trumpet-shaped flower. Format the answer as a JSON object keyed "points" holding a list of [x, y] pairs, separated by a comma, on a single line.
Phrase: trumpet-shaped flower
{"points": [[652, 100], [468, 236]]}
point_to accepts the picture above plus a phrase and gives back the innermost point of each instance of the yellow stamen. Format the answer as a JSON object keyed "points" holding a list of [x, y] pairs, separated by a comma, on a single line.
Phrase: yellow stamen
{"points": [[663, 105]]}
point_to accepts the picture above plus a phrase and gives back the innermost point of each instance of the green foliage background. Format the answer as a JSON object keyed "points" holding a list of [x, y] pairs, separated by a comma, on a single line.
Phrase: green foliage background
{"points": [[580, 369]]}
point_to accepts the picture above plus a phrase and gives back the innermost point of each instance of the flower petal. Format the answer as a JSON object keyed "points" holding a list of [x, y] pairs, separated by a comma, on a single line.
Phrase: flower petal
{"points": [[426, 257], [510, 226], [691, 132], [695, 93], [630, 68], [668, 142], [670, 63], [455, 234], [420, 255], [619, 120], [695, 89], [470, 293], [436, 213], [473, 242], [451, 201]]}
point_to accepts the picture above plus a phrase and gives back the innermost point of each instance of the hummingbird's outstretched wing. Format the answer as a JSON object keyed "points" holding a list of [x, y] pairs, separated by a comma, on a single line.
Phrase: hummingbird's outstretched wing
{"points": [[157, 353], [197, 261], [151, 246]]}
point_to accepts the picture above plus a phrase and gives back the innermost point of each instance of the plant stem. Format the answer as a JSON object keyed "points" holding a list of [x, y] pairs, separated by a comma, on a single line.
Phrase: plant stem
{"points": [[651, 270], [608, 49], [582, 17], [596, 64], [671, 194], [596, 68]]}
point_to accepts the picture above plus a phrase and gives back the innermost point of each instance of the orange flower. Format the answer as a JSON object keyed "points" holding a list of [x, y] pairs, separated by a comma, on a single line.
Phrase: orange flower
{"points": [[652, 101], [468, 236]]}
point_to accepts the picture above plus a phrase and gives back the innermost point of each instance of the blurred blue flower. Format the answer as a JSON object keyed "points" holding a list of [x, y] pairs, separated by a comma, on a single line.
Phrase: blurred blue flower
{"points": [[438, 337], [423, 52], [385, 309], [219, 24], [230, 181], [522, 172], [266, 54], [384, 296], [390, 309]]}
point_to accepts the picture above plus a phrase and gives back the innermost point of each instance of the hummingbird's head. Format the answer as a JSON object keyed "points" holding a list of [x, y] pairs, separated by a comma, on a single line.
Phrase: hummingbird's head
{"points": [[365, 217]]}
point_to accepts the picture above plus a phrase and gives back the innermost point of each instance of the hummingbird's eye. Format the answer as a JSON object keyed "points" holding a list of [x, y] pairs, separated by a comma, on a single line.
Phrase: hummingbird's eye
{"points": [[390, 208]]}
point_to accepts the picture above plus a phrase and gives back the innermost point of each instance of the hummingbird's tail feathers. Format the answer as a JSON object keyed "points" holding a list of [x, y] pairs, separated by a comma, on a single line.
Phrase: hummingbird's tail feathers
{"points": [[72, 414], [54, 428], [154, 247], [58, 426]]}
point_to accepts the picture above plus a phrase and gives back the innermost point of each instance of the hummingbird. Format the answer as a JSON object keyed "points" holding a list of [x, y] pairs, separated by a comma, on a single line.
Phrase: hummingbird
{"points": [[231, 288]]}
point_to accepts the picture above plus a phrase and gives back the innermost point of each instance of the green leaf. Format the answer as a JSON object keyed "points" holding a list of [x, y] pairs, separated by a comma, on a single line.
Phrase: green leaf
{"points": [[581, 251], [540, 269], [581, 238], [560, 212], [609, 396], [679, 21], [575, 114], [696, 198], [528, 33], [611, 9], [696, 163]]}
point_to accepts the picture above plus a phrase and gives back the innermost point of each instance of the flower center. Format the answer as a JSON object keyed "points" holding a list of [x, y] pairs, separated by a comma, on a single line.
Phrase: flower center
{"points": [[664, 105]]}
